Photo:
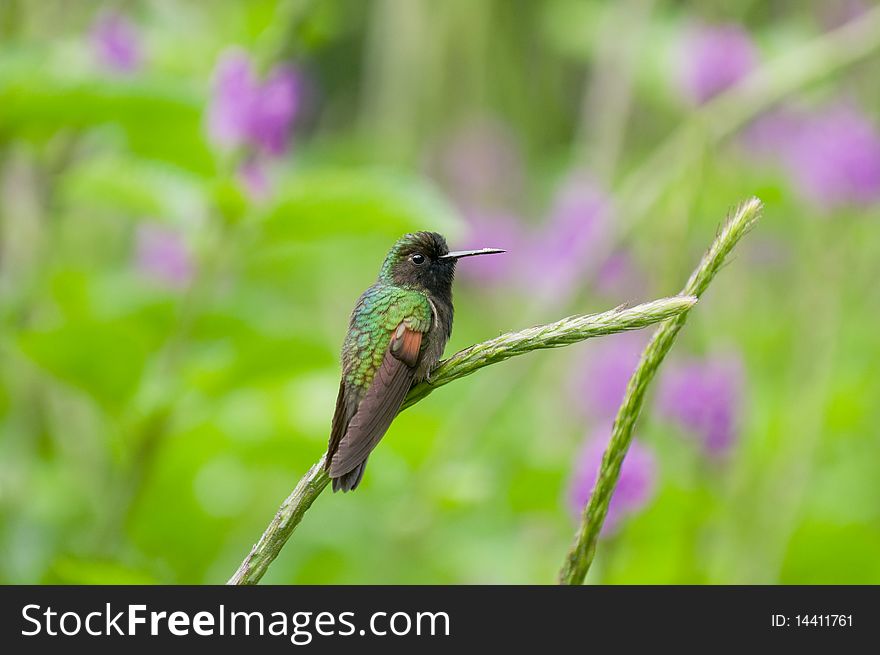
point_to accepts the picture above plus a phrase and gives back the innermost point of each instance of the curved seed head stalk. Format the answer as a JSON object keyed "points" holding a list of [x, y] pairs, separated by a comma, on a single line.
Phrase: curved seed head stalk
{"points": [[554, 335], [581, 554]]}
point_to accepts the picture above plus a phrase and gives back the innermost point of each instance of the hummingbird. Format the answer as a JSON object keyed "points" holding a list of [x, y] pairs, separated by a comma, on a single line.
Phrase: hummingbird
{"points": [[396, 334]]}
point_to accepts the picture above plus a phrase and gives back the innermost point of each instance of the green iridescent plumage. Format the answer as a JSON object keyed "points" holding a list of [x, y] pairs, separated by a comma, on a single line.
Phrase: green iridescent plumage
{"points": [[378, 313]]}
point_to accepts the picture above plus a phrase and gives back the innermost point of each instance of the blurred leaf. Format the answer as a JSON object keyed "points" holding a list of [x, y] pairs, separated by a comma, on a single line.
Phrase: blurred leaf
{"points": [[103, 359], [249, 356], [4, 398], [572, 27], [825, 553], [70, 290], [73, 571], [229, 199], [319, 204], [160, 119], [133, 187], [170, 523]]}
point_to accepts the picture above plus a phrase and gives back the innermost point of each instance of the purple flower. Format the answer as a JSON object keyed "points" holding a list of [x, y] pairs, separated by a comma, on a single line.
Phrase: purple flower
{"points": [[247, 112], [481, 166], [558, 258], [714, 58], [704, 397], [116, 43], [235, 86], [601, 379], [163, 256], [274, 110], [831, 155], [834, 160], [771, 133], [635, 486]]}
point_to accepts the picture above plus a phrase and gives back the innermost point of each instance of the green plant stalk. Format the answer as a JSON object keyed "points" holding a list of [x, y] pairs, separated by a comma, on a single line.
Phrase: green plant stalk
{"points": [[554, 335], [579, 558]]}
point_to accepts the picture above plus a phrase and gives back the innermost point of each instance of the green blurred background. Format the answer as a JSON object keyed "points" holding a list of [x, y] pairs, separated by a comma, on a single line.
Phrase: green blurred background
{"points": [[180, 249]]}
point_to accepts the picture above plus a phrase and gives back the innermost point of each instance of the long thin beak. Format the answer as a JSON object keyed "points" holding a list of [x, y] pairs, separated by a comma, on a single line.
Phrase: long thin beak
{"points": [[458, 254]]}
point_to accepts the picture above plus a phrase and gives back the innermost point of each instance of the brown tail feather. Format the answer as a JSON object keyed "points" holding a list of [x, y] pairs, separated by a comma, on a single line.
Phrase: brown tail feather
{"points": [[349, 481]]}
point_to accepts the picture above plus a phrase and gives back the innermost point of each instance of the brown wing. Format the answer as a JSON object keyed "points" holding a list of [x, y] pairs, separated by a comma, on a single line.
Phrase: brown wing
{"points": [[379, 405], [346, 405]]}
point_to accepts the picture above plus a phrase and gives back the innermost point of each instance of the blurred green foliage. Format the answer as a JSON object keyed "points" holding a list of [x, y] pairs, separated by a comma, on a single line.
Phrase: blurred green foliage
{"points": [[149, 430]]}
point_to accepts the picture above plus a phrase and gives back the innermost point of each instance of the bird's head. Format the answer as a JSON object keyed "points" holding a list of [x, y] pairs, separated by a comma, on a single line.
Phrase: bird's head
{"points": [[421, 260]]}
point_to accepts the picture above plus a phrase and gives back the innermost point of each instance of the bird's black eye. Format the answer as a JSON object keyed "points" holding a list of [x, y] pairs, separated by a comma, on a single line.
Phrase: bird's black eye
{"points": [[418, 259]]}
